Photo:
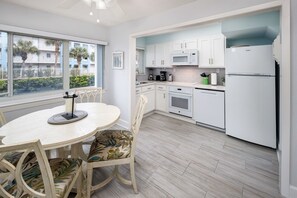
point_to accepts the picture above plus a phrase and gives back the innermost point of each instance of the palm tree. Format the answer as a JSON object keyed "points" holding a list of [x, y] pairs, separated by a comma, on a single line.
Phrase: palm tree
{"points": [[57, 44], [79, 53], [92, 56], [22, 49]]}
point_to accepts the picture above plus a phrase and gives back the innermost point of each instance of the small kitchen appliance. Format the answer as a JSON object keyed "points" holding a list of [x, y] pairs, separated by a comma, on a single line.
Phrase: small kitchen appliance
{"points": [[187, 57], [163, 75], [158, 78], [151, 77], [170, 77], [213, 78]]}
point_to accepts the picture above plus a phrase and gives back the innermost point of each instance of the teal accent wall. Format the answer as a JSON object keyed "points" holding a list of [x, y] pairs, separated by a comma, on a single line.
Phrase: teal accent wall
{"points": [[190, 33], [256, 29], [140, 42], [249, 41]]}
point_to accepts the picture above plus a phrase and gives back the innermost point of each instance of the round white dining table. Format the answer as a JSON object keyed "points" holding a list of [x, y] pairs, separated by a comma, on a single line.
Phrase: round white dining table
{"points": [[34, 126]]}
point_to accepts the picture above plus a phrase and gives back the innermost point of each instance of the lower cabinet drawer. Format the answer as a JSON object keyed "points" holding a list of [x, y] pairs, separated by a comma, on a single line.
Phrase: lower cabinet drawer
{"points": [[147, 88]]}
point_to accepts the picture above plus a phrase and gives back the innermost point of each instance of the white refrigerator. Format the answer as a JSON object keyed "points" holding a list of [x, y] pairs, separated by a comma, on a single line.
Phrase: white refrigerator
{"points": [[251, 94]]}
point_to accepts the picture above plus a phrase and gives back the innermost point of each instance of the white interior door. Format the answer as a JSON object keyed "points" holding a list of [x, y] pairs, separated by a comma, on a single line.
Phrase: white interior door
{"points": [[250, 109]]}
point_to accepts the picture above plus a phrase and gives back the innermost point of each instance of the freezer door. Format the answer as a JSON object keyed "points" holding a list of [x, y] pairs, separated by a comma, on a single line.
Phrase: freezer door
{"points": [[250, 109], [250, 60]]}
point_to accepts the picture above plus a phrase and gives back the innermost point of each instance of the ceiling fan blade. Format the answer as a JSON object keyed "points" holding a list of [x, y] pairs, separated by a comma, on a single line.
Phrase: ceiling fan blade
{"points": [[117, 10], [66, 4]]}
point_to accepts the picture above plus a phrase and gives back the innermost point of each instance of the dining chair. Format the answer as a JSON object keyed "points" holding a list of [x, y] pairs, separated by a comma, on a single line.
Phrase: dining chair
{"points": [[113, 148], [2, 122], [85, 94], [26, 172], [89, 94], [2, 119]]}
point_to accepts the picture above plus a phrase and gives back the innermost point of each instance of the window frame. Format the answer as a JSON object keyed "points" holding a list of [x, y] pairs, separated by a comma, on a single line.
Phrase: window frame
{"points": [[64, 63]]}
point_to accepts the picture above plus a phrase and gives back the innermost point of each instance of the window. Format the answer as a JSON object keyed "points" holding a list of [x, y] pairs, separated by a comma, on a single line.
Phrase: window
{"points": [[83, 64], [76, 45], [3, 63], [30, 73], [140, 68], [32, 64]]}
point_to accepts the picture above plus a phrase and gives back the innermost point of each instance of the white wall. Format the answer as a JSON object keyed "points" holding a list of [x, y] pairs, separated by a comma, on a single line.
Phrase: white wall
{"points": [[118, 81], [294, 95], [18, 16]]}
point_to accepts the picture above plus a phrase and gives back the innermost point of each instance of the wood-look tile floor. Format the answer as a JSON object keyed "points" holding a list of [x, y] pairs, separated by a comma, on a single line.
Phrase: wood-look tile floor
{"points": [[179, 159]]}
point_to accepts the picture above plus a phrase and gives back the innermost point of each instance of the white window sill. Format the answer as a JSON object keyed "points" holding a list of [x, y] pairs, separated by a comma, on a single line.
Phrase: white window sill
{"points": [[32, 99]]}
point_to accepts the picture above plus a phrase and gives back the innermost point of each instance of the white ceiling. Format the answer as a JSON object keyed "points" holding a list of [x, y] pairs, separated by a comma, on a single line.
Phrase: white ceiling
{"points": [[122, 11]]}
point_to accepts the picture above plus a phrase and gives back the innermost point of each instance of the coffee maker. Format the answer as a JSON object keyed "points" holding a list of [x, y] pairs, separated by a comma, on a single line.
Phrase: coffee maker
{"points": [[163, 75], [150, 76]]}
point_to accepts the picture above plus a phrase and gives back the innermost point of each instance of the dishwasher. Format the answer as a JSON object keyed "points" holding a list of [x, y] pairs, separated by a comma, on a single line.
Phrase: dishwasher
{"points": [[209, 107]]}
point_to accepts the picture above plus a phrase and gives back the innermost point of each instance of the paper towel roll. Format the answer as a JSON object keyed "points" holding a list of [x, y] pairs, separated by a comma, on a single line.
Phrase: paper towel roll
{"points": [[213, 78], [68, 105]]}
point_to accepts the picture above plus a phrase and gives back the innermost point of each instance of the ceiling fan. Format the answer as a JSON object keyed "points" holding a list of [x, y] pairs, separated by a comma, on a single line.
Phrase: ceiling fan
{"points": [[100, 4], [111, 5]]}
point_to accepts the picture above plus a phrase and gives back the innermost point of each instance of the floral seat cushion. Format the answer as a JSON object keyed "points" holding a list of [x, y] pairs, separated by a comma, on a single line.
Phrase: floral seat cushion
{"points": [[110, 145], [63, 171]]}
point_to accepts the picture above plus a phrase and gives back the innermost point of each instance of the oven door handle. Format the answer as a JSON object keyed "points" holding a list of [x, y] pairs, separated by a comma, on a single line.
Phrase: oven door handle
{"points": [[180, 94]]}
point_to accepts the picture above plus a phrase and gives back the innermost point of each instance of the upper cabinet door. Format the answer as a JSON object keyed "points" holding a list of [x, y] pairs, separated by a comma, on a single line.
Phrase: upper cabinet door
{"points": [[162, 54], [205, 52], [159, 50], [185, 44], [178, 45], [218, 52], [150, 56], [167, 53], [191, 44], [212, 52]]}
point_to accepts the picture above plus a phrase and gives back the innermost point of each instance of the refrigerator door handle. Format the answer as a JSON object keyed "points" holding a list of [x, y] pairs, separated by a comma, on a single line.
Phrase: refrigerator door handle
{"points": [[254, 75]]}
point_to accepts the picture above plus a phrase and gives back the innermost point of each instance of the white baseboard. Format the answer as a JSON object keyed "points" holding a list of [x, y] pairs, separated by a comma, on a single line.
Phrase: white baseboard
{"points": [[293, 192], [123, 123]]}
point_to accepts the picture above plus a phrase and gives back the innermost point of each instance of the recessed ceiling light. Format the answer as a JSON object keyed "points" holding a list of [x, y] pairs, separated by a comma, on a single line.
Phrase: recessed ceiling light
{"points": [[98, 21], [91, 13]]}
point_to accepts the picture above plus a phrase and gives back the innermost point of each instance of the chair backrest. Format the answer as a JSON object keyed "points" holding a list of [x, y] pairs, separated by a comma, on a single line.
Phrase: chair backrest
{"points": [[17, 172], [142, 101], [138, 115], [2, 119], [2, 122], [89, 94]]}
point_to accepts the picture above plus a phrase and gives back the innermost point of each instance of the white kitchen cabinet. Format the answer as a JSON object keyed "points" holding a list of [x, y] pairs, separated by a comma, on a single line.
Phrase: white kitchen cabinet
{"points": [[158, 55], [209, 107], [161, 98], [150, 56], [212, 52], [149, 92], [185, 44], [162, 54]]}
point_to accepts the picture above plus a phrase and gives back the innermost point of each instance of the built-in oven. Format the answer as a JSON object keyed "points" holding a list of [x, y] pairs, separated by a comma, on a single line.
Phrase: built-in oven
{"points": [[181, 100]]}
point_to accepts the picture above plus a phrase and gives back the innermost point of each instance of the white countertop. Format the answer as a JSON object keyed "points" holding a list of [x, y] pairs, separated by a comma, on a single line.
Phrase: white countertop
{"points": [[184, 84]]}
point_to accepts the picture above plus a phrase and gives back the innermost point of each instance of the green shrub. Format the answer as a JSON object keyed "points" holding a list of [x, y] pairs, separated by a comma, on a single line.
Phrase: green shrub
{"points": [[3, 86], [38, 84], [82, 81]]}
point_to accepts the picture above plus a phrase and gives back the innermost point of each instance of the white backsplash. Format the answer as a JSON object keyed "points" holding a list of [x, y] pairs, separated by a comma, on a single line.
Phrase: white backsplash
{"points": [[185, 74]]}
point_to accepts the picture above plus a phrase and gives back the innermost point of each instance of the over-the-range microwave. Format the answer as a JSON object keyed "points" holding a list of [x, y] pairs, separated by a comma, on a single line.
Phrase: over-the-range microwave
{"points": [[187, 57]]}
